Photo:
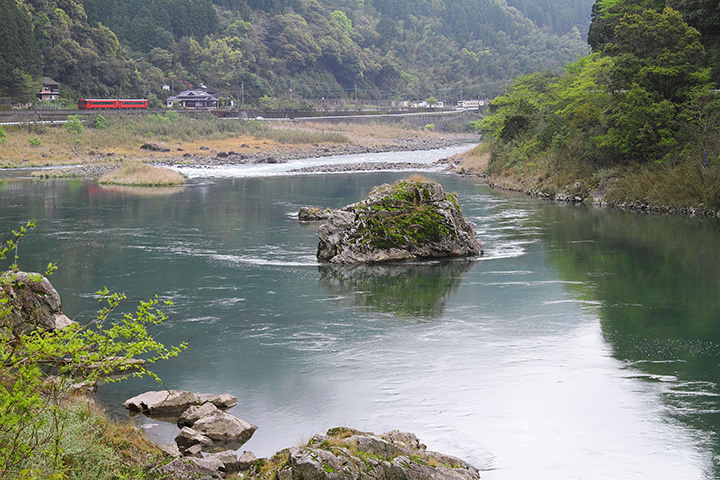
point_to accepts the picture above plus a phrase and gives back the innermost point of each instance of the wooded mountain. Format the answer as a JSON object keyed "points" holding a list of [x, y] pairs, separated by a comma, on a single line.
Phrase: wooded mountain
{"points": [[643, 110], [284, 50]]}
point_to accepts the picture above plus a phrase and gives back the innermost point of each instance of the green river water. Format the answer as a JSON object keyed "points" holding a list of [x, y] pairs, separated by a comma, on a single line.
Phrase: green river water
{"points": [[584, 344]]}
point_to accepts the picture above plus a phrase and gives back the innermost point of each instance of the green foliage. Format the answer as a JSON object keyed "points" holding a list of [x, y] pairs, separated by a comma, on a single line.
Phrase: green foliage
{"points": [[74, 125], [622, 106], [403, 218], [35, 142], [3, 135], [19, 56], [38, 434], [100, 122]]}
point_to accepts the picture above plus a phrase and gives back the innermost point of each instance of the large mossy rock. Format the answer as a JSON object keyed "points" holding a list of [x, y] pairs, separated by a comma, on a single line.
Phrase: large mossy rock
{"points": [[410, 219], [347, 454]]}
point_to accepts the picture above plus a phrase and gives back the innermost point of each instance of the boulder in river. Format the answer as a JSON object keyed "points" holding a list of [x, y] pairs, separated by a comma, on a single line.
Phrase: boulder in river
{"points": [[223, 427], [308, 214], [348, 454], [410, 219], [174, 402]]}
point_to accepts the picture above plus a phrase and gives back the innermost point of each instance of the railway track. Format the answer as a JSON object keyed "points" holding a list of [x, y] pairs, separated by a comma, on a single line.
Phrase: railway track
{"points": [[19, 117]]}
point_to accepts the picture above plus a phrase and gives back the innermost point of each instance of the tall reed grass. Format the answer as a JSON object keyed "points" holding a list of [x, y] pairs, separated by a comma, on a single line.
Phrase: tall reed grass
{"points": [[140, 174]]}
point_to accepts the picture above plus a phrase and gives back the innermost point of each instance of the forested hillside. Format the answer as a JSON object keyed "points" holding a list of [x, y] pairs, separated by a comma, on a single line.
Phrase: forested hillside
{"points": [[287, 50], [639, 118]]}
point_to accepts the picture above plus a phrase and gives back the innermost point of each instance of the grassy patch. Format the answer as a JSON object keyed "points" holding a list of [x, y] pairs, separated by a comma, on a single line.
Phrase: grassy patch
{"points": [[679, 186], [140, 174], [477, 159], [91, 445]]}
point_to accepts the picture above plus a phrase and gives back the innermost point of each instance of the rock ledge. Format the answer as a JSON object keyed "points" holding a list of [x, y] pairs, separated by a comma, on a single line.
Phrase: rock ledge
{"points": [[347, 454]]}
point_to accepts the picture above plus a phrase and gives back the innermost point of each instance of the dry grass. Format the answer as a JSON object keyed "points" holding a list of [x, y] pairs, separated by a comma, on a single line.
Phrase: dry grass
{"points": [[124, 136], [139, 174], [475, 160], [680, 186]]}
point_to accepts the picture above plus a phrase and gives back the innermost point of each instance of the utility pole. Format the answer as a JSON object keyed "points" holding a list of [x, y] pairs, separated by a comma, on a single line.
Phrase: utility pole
{"points": [[356, 98], [242, 94]]}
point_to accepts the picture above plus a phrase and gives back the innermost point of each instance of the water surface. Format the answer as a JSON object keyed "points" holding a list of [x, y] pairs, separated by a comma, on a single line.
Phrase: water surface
{"points": [[585, 344]]}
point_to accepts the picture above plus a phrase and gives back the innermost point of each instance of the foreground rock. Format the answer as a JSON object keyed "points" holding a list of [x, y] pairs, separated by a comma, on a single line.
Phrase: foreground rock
{"points": [[35, 304], [348, 454], [175, 402], [410, 219]]}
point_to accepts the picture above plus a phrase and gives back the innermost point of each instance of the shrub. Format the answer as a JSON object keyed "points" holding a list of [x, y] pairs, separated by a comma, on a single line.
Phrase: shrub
{"points": [[35, 142], [3, 135], [74, 125], [101, 122], [41, 434]]}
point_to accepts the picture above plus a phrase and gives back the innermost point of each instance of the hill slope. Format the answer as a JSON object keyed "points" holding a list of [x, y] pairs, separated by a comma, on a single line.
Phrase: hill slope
{"points": [[285, 50]]}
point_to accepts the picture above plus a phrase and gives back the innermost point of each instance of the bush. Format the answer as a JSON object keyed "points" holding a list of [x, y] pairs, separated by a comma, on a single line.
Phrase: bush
{"points": [[3, 135], [100, 122], [35, 142], [41, 434], [74, 125]]}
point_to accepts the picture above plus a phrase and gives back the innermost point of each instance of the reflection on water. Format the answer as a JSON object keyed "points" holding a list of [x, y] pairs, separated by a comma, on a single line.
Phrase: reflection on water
{"points": [[584, 345], [658, 281], [406, 290]]}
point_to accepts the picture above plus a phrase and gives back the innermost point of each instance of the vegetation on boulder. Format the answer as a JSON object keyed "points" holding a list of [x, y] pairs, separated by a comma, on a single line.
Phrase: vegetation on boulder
{"points": [[350, 454], [409, 219]]}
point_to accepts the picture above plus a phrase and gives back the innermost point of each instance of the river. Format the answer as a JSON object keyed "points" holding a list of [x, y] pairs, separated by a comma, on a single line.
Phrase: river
{"points": [[584, 344]]}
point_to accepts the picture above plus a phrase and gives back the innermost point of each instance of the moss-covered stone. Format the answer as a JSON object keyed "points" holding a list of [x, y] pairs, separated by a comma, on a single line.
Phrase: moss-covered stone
{"points": [[406, 220]]}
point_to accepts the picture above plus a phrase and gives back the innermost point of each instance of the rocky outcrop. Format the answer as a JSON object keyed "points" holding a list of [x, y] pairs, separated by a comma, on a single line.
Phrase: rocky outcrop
{"points": [[410, 219], [310, 214], [34, 303], [175, 402], [348, 454], [204, 425]]}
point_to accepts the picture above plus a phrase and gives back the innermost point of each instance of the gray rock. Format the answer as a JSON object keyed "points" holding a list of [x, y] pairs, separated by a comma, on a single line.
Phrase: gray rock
{"points": [[154, 147], [224, 400], [226, 428], [34, 302], [411, 219], [194, 451], [189, 437], [309, 214], [173, 402], [229, 459], [186, 469], [347, 454], [210, 463], [246, 461], [171, 449], [195, 413]]}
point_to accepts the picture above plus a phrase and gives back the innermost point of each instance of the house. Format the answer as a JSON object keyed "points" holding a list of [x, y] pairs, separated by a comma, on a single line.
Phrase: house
{"points": [[50, 90], [196, 98], [200, 97], [471, 104]]}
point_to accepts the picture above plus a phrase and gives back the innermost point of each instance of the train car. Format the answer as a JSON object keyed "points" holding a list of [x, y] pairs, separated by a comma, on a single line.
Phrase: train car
{"points": [[106, 103]]}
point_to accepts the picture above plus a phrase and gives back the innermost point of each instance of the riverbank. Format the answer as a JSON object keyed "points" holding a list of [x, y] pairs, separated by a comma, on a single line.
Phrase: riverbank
{"points": [[205, 142], [678, 190]]}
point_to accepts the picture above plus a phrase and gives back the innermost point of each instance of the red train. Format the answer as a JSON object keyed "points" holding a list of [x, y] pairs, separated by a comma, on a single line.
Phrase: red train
{"points": [[90, 103]]}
